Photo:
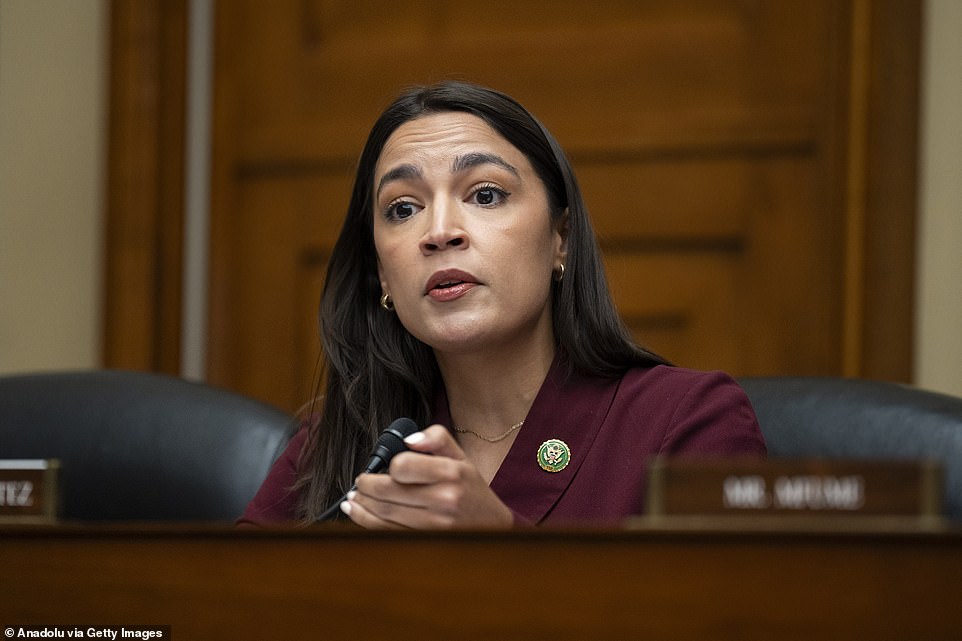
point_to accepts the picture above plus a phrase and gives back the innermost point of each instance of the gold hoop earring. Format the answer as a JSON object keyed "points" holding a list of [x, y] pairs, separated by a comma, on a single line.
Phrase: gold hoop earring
{"points": [[561, 273], [387, 303]]}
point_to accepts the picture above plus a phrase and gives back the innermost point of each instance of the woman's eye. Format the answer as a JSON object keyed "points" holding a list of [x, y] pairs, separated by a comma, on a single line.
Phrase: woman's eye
{"points": [[489, 196], [401, 210]]}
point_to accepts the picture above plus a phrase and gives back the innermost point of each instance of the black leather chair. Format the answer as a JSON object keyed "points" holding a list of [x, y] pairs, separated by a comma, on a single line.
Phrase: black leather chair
{"points": [[135, 446], [849, 418]]}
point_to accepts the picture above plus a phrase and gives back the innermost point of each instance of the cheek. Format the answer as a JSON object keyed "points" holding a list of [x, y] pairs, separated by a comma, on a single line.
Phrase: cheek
{"points": [[539, 250], [526, 271], [395, 272], [386, 257]]}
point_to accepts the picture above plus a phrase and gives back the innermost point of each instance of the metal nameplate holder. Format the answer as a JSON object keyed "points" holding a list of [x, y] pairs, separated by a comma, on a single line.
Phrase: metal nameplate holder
{"points": [[816, 492], [29, 490]]}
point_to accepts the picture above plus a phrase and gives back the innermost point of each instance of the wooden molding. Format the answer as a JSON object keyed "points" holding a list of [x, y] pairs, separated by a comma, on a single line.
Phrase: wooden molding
{"points": [[144, 214], [891, 186], [880, 188]]}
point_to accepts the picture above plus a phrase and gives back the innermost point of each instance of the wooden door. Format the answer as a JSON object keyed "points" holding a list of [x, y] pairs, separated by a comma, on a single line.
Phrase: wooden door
{"points": [[723, 147]]}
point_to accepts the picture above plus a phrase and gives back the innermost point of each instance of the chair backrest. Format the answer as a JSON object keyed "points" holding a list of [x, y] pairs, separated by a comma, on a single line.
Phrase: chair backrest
{"points": [[137, 446], [850, 418]]}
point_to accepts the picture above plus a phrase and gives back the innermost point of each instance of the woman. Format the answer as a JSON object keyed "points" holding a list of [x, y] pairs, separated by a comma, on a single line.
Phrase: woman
{"points": [[466, 291]]}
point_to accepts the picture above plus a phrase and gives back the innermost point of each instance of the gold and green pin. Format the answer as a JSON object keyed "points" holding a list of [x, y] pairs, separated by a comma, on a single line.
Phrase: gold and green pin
{"points": [[554, 455]]}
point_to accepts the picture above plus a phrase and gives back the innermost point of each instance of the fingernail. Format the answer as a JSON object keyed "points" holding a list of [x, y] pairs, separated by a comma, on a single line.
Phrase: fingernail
{"points": [[351, 495], [346, 507], [414, 439]]}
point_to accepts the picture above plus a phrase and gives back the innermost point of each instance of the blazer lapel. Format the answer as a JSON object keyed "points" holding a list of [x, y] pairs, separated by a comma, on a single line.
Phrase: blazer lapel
{"points": [[570, 408]]}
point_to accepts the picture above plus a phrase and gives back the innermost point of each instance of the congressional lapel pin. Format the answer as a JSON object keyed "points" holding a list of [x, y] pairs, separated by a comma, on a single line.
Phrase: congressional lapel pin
{"points": [[554, 455]]}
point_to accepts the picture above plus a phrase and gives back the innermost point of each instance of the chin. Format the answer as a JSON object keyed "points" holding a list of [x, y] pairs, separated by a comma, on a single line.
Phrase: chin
{"points": [[457, 338], [458, 344]]}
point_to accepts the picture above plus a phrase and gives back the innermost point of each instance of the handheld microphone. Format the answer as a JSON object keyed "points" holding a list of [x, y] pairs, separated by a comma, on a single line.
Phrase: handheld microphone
{"points": [[389, 443]]}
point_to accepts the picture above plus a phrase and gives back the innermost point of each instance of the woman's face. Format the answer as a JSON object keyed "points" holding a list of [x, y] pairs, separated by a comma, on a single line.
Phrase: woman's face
{"points": [[465, 242]]}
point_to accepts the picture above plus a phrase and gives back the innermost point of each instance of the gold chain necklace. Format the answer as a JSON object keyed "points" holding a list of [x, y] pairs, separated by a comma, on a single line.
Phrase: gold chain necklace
{"points": [[490, 439]]}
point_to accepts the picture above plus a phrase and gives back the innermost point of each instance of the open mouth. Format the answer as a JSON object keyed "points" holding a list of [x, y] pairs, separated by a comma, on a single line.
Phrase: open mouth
{"points": [[449, 279], [450, 284]]}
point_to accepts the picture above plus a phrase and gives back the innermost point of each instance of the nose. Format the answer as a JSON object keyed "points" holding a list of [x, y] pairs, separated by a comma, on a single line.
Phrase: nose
{"points": [[445, 228]]}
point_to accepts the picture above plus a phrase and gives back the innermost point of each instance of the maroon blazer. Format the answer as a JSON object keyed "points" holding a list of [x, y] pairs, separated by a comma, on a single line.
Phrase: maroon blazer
{"points": [[612, 427]]}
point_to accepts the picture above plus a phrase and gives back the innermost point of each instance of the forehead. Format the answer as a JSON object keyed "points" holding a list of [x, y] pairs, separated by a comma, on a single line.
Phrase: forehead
{"points": [[442, 137]]}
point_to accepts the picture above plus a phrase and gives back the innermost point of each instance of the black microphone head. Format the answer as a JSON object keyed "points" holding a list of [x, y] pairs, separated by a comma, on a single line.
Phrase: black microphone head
{"points": [[389, 443], [401, 428]]}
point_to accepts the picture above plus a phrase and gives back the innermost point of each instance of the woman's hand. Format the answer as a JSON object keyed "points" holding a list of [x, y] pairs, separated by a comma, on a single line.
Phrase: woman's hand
{"points": [[427, 492]]}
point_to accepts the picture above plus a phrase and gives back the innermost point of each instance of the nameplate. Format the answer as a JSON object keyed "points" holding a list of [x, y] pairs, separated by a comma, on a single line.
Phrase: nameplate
{"points": [[28, 490], [786, 487]]}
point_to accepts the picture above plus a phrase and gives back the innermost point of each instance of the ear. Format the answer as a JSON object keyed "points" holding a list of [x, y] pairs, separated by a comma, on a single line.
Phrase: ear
{"points": [[561, 230]]}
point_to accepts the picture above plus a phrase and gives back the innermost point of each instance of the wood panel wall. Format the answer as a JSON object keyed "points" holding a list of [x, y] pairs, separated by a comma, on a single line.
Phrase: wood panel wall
{"points": [[749, 166]]}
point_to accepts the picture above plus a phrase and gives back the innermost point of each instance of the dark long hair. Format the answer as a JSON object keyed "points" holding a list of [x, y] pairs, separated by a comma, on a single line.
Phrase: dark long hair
{"points": [[376, 371]]}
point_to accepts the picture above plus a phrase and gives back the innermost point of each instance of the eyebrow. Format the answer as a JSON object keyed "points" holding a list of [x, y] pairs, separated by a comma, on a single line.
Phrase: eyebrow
{"points": [[408, 171], [467, 161]]}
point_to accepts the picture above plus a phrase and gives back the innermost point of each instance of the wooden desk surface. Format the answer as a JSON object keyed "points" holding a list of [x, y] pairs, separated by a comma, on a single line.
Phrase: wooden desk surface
{"points": [[211, 583]]}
